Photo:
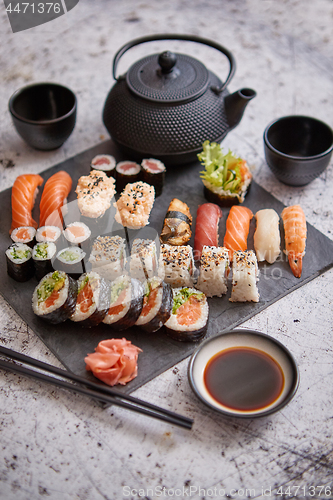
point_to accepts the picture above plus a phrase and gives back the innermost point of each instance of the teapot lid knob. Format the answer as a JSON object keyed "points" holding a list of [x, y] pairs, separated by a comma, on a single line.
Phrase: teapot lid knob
{"points": [[167, 61]]}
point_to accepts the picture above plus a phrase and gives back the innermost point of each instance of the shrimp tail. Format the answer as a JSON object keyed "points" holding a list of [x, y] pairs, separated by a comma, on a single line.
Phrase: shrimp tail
{"points": [[295, 262]]}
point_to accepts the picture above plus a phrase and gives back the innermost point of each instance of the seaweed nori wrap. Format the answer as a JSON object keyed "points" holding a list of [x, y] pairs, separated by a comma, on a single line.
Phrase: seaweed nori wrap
{"points": [[93, 299], [54, 297], [125, 304], [153, 173], [157, 305], [19, 262]]}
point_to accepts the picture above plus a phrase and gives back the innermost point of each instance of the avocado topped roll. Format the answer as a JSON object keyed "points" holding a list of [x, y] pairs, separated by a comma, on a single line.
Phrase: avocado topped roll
{"points": [[93, 299], [189, 318], [125, 303], [54, 297], [157, 305]]}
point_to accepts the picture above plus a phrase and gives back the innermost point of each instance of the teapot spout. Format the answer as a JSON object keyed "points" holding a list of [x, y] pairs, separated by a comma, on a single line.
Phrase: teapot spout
{"points": [[235, 105]]}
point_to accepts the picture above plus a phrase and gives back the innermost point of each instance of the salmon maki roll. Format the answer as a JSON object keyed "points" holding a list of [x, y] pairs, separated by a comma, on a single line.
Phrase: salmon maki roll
{"points": [[237, 229], [24, 192], [54, 197], [294, 224]]}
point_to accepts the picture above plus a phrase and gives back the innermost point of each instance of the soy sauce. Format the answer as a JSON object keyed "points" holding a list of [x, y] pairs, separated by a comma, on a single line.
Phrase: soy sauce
{"points": [[243, 378]]}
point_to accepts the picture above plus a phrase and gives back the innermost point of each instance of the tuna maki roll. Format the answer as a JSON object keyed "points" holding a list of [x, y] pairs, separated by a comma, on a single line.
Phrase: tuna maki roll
{"points": [[93, 299], [71, 261], [153, 172], [24, 234], [157, 305], [42, 255], [54, 297], [125, 304], [127, 171], [19, 262], [106, 163], [189, 318]]}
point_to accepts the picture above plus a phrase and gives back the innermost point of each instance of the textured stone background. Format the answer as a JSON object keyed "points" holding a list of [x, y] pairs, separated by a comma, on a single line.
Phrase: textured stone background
{"points": [[61, 446]]}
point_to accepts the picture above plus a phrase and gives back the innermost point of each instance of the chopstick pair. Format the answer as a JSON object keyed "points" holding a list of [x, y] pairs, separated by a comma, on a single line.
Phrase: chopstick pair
{"points": [[99, 392]]}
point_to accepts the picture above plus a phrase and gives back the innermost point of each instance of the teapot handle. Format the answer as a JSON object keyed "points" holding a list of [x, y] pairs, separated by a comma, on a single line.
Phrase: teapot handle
{"points": [[190, 38]]}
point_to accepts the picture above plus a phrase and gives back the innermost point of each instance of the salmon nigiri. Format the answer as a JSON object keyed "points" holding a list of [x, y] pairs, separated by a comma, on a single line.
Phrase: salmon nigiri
{"points": [[24, 192], [55, 193], [237, 229], [294, 224]]}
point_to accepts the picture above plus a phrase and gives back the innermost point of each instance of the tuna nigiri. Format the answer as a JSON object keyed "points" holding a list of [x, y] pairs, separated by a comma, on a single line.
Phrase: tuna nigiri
{"points": [[54, 196], [237, 229], [206, 227], [294, 224], [24, 192]]}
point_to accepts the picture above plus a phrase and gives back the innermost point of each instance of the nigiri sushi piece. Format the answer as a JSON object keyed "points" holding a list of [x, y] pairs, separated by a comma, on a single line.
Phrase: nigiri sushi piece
{"points": [[267, 235], [206, 227], [135, 204], [177, 224], [54, 196], [237, 229], [294, 224], [94, 194], [24, 192]]}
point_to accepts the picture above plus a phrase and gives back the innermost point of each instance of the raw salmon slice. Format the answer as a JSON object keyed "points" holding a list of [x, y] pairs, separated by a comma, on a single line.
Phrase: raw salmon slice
{"points": [[55, 192], [24, 192], [237, 229]]}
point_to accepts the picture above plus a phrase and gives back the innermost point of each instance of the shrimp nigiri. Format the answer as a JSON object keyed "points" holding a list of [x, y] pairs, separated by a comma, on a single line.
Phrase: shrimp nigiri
{"points": [[237, 229], [294, 224], [55, 193], [24, 192]]}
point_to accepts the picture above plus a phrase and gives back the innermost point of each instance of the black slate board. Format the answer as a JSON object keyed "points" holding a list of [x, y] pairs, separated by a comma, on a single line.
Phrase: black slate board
{"points": [[70, 343]]}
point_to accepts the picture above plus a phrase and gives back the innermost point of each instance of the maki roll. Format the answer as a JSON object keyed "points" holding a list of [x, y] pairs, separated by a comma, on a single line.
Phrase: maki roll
{"points": [[48, 233], [153, 173], [244, 277], [71, 261], [42, 255], [19, 262], [176, 265], [144, 262], [93, 299], [108, 256], [177, 224], [54, 297], [189, 318], [126, 172], [24, 234], [106, 163], [214, 270], [226, 178], [125, 303], [78, 233], [157, 305]]}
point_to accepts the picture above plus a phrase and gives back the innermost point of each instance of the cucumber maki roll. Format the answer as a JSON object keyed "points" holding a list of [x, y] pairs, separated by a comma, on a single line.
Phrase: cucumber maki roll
{"points": [[125, 303], [71, 261], [93, 299], [54, 297], [42, 255], [189, 318], [157, 305], [19, 262]]}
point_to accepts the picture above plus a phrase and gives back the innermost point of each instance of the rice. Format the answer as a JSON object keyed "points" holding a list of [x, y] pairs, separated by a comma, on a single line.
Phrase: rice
{"points": [[214, 269], [143, 263], [244, 277]]}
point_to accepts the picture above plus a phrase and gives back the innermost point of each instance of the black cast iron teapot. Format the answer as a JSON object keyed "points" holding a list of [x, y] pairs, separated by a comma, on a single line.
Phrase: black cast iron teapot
{"points": [[167, 104]]}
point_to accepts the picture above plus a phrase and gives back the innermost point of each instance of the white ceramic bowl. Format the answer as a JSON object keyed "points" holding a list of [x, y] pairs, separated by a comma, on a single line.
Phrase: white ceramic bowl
{"points": [[248, 339]]}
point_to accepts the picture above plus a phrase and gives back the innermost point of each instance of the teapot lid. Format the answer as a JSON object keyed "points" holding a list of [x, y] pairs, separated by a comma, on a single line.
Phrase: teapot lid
{"points": [[168, 77]]}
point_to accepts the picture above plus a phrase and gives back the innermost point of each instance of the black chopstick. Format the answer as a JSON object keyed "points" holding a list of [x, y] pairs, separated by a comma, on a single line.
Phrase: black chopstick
{"points": [[92, 389]]}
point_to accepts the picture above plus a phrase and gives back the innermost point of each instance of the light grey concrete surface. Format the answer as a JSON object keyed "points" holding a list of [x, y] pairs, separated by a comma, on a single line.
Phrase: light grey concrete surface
{"points": [[58, 445]]}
